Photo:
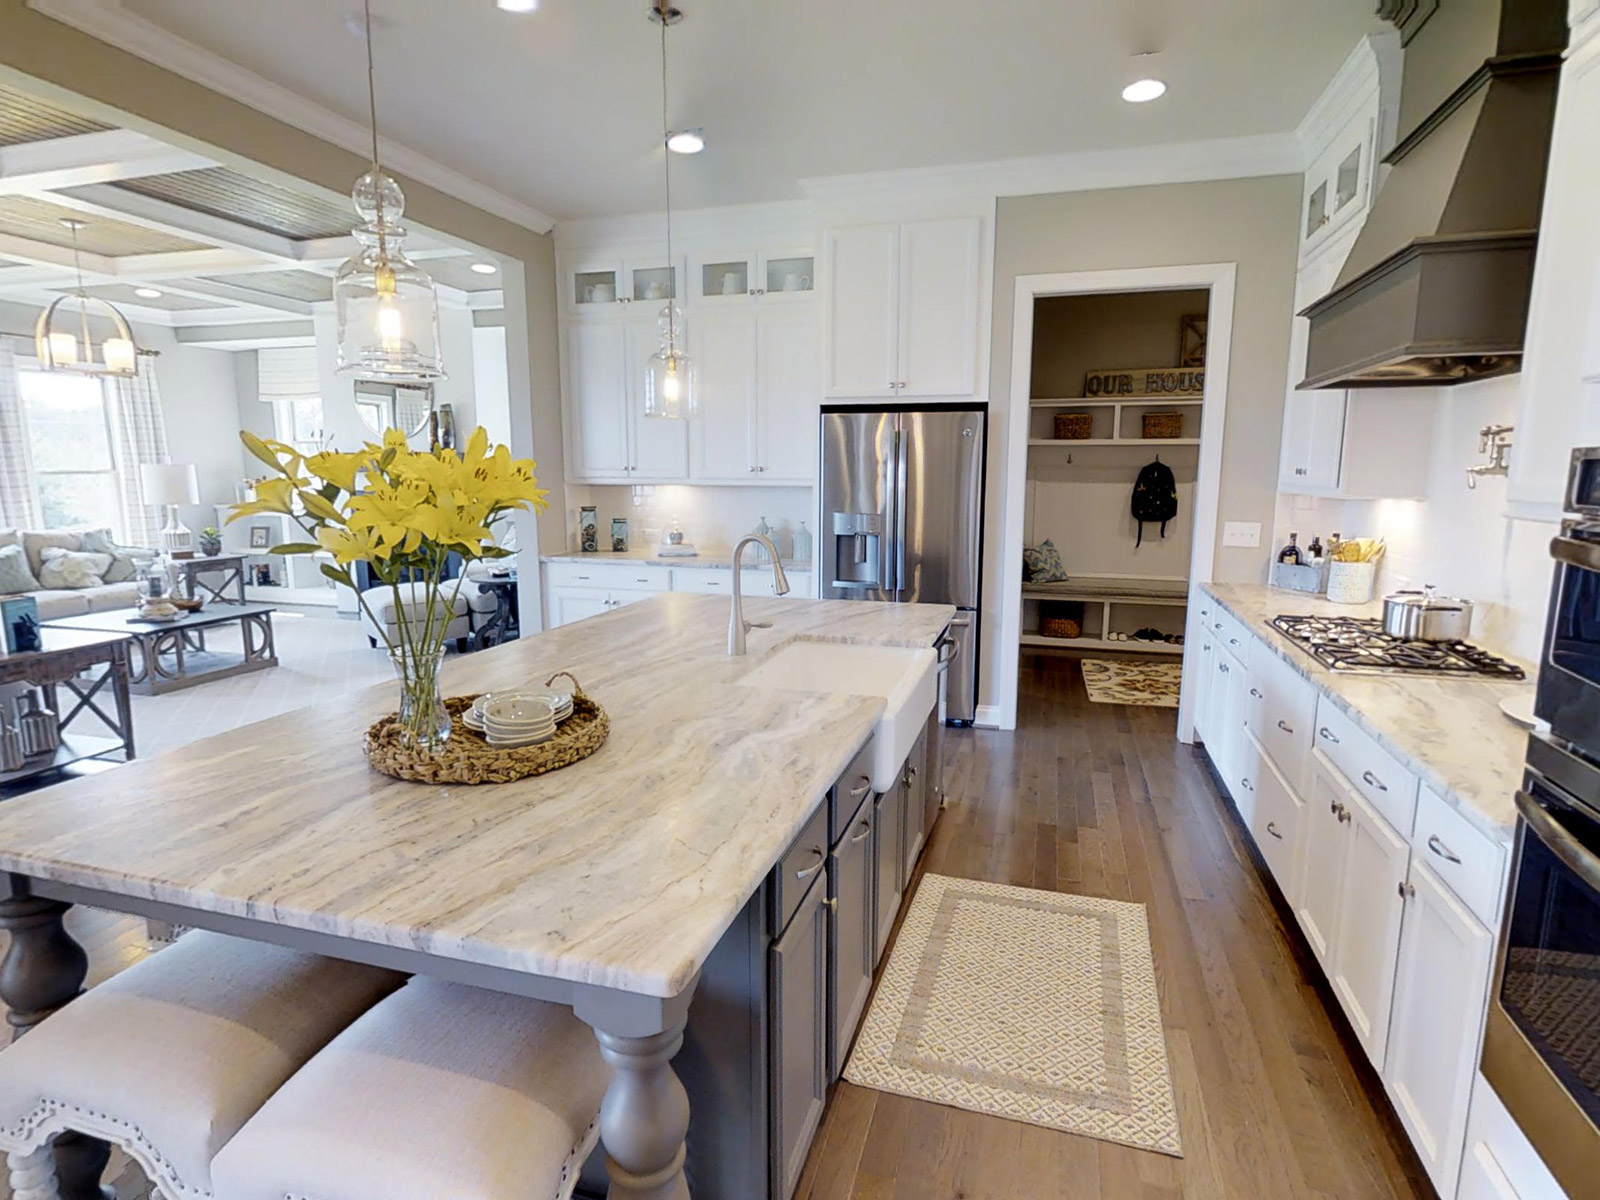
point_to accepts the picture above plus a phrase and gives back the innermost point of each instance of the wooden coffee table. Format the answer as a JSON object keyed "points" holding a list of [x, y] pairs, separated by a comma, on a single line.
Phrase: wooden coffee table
{"points": [[172, 655], [92, 666]]}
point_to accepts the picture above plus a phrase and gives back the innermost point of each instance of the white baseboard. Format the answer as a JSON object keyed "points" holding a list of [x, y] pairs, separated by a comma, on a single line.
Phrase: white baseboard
{"points": [[987, 716]]}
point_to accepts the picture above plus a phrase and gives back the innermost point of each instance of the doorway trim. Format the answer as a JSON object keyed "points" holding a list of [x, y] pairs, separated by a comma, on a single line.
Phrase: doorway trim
{"points": [[1217, 278]]}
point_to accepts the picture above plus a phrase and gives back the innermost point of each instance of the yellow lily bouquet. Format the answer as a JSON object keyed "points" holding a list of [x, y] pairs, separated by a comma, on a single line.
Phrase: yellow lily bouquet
{"points": [[404, 512]]}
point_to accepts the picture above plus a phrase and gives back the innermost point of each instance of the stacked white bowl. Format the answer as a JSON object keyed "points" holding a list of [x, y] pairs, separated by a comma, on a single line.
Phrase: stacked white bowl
{"points": [[521, 717]]}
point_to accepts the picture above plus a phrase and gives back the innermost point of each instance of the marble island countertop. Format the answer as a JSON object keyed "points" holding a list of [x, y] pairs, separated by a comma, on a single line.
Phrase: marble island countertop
{"points": [[706, 559], [1449, 731], [622, 871]]}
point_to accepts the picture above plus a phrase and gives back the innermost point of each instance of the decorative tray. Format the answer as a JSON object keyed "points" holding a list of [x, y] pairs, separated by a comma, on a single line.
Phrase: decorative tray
{"points": [[467, 758]]}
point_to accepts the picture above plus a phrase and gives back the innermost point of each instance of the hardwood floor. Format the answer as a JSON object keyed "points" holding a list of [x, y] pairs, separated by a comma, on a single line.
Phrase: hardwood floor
{"points": [[1275, 1099]]}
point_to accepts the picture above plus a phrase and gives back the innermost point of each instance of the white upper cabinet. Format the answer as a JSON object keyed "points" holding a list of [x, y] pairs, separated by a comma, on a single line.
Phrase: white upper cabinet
{"points": [[1338, 191], [610, 440], [720, 278], [787, 391], [605, 285], [904, 308], [1559, 390], [660, 447], [723, 344], [863, 263], [757, 378]]}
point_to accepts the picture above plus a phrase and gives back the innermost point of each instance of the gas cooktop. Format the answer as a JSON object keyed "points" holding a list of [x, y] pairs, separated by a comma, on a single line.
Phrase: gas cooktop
{"points": [[1359, 644]]}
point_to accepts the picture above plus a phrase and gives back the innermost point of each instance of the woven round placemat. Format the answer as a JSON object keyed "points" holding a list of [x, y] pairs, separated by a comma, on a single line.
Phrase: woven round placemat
{"points": [[466, 757]]}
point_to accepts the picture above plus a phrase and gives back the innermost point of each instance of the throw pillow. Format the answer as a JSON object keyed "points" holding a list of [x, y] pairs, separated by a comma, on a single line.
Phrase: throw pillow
{"points": [[1044, 563], [15, 575], [72, 569], [125, 560]]}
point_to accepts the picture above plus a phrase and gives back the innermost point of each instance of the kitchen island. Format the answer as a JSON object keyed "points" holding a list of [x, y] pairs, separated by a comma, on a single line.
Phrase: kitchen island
{"points": [[605, 886]]}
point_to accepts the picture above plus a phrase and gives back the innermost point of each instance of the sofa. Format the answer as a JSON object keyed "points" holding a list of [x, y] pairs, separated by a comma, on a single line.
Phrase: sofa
{"points": [[121, 590], [470, 608]]}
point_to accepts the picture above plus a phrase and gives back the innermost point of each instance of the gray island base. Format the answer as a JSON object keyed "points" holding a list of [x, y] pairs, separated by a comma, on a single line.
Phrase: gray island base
{"points": [[610, 886]]}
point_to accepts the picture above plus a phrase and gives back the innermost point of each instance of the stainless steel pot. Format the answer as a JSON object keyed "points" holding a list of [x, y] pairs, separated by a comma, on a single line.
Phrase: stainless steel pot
{"points": [[1426, 617]]}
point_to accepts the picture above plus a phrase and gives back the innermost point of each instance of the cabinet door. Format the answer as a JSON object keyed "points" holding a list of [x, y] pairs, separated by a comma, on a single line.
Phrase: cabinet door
{"points": [[660, 448], [597, 382], [1322, 862], [1324, 421], [1440, 993], [1277, 826], [851, 937], [1245, 784], [618, 597], [886, 884], [863, 321], [1227, 715], [1313, 422], [938, 307], [1367, 937], [914, 827], [786, 412], [1206, 666], [574, 604], [798, 1075], [723, 347]]}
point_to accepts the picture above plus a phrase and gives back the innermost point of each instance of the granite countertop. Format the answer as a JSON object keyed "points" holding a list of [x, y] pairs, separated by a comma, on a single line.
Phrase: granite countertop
{"points": [[722, 559], [1449, 731], [623, 870]]}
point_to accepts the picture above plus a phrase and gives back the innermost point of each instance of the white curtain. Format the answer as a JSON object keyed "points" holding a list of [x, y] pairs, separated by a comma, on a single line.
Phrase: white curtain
{"points": [[140, 437], [18, 508]]}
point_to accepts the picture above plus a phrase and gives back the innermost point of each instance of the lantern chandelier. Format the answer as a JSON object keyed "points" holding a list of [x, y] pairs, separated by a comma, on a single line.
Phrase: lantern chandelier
{"points": [[669, 381], [84, 334], [386, 306]]}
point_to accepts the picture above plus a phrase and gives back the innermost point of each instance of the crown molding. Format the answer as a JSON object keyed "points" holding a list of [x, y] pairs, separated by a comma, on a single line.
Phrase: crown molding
{"points": [[1080, 171], [729, 226], [110, 22], [1583, 47]]}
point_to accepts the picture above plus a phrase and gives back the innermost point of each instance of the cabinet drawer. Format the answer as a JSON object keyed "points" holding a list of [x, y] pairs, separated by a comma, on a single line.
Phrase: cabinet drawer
{"points": [[802, 865], [1229, 631], [608, 575], [1276, 826], [1367, 766], [1281, 712], [854, 786], [1471, 865], [703, 581]]}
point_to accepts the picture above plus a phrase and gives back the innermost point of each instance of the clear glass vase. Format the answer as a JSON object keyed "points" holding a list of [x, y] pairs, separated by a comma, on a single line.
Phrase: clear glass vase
{"points": [[424, 720]]}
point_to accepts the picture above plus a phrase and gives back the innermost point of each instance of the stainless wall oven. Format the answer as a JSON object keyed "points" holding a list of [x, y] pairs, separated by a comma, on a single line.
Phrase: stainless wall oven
{"points": [[1541, 1048]]}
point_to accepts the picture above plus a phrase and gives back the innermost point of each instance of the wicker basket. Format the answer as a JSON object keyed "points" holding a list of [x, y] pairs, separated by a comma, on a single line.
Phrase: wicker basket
{"points": [[468, 758], [1163, 424], [1074, 427], [1060, 627]]}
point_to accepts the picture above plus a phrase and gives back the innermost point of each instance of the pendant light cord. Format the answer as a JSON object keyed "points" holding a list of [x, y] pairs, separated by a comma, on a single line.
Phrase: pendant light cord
{"points": [[377, 167], [662, 9]]}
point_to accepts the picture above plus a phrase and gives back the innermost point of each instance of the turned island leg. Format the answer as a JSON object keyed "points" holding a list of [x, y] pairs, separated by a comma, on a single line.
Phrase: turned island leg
{"points": [[43, 970], [644, 1118]]}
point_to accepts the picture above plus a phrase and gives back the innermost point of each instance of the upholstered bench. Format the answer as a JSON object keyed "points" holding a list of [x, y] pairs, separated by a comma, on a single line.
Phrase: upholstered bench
{"points": [[442, 1090], [169, 1058]]}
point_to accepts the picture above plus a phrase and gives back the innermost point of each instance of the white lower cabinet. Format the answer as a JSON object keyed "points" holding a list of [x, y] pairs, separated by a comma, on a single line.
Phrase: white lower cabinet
{"points": [[574, 591], [1276, 824], [1367, 936], [569, 604], [1440, 994], [1321, 865]]}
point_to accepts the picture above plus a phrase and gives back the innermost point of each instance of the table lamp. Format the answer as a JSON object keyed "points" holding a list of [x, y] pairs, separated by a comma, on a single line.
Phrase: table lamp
{"points": [[169, 485]]}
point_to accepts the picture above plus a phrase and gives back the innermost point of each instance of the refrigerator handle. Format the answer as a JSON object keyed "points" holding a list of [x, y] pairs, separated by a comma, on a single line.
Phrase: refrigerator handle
{"points": [[900, 452], [891, 517]]}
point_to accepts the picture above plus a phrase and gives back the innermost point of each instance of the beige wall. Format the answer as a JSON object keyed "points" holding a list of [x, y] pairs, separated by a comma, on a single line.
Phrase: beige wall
{"points": [[1249, 222], [35, 50]]}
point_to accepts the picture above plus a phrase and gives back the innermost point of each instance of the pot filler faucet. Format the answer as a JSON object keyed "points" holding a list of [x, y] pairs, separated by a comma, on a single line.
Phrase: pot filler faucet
{"points": [[737, 625]]}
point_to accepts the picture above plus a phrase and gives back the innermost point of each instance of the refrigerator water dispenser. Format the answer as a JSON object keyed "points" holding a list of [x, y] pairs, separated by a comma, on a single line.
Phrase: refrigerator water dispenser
{"points": [[855, 547]]}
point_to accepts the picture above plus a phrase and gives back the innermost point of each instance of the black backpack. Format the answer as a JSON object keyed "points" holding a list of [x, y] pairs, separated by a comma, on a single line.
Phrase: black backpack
{"points": [[1155, 497]]}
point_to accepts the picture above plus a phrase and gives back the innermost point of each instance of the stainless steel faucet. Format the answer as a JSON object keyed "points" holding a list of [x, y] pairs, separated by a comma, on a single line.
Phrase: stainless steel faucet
{"points": [[737, 625]]}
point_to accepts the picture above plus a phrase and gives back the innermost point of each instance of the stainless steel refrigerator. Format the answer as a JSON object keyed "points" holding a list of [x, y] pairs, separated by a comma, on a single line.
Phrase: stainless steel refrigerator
{"points": [[902, 519]]}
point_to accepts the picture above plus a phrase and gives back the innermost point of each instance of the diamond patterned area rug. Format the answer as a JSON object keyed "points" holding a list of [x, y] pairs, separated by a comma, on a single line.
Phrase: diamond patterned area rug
{"points": [[1036, 1006], [1154, 684]]}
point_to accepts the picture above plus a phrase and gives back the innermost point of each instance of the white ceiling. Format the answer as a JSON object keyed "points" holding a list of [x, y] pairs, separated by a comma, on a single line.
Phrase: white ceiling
{"points": [[561, 109]]}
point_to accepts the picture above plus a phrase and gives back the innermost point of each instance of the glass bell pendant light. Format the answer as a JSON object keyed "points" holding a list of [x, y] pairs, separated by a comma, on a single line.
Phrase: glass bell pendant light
{"points": [[386, 308], [669, 381], [83, 334]]}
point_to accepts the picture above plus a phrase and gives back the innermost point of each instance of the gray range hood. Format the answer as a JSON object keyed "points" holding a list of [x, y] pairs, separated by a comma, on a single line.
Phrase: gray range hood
{"points": [[1436, 288]]}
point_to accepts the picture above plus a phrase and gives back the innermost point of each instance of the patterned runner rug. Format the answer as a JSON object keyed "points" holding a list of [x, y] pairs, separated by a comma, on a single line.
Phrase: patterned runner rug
{"points": [[1032, 1005], [1149, 683]]}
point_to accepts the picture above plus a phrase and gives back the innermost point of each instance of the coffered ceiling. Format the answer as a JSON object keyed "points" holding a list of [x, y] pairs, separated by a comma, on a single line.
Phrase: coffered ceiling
{"points": [[171, 237], [561, 109]]}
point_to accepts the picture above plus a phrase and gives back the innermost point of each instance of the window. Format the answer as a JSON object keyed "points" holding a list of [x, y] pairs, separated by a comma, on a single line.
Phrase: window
{"points": [[298, 421], [69, 450]]}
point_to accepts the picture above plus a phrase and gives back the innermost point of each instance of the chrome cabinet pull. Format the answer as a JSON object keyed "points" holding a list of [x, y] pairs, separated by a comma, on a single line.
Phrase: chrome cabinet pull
{"points": [[1259, 696], [1223, 667], [1375, 781], [1325, 732], [1284, 725], [830, 902], [1272, 828], [1406, 890], [1233, 641], [1441, 849], [1248, 785], [810, 871], [1344, 815], [866, 785], [866, 831]]}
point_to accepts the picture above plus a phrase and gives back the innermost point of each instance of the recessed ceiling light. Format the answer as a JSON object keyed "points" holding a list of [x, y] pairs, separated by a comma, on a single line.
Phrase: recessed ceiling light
{"points": [[147, 293], [485, 268], [1144, 90], [516, 6], [687, 141]]}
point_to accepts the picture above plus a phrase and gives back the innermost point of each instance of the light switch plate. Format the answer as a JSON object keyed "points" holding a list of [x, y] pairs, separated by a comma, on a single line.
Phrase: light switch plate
{"points": [[1242, 533]]}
